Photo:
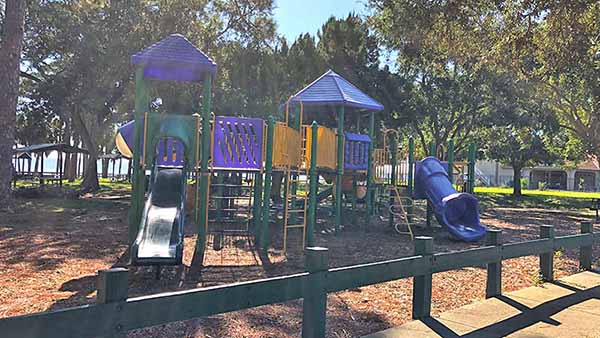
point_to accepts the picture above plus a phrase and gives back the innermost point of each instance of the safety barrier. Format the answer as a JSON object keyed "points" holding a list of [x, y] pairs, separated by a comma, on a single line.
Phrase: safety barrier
{"points": [[115, 313]]}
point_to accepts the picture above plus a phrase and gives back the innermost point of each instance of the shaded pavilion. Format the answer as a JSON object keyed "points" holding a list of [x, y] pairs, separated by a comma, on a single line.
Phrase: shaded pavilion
{"points": [[45, 149]]}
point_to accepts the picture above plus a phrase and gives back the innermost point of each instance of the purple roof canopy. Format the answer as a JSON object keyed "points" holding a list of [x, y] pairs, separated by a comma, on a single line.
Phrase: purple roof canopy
{"points": [[330, 89], [174, 58]]}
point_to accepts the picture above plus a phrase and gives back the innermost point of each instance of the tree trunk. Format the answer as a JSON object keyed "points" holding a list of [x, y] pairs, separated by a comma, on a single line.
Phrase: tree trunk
{"points": [[90, 175], [105, 164], [10, 54], [516, 181]]}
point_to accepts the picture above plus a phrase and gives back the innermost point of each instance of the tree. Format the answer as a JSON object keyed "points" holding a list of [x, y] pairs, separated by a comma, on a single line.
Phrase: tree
{"points": [[553, 45], [80, 51], [10, 54], [522, 134]]}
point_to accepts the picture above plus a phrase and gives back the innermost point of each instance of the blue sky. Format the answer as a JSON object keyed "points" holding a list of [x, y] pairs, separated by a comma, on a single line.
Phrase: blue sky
{"points": [[295, 17]]}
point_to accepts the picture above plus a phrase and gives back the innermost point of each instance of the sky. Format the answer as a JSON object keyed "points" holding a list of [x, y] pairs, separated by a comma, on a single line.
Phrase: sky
{"points": [[295, 17]]}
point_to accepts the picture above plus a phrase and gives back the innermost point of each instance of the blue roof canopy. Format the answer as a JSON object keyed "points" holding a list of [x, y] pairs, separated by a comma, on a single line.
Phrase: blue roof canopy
{"points": [[330, 89], [174, 58]]}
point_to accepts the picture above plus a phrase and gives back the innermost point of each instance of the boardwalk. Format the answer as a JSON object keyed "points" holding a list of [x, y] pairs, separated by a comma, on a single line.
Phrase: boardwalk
{"points": [[566, 308]]}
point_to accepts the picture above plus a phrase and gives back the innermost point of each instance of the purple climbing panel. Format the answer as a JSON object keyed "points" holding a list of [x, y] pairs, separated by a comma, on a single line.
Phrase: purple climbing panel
{"points": [[356, 151], [170, 153], [238, 143]]}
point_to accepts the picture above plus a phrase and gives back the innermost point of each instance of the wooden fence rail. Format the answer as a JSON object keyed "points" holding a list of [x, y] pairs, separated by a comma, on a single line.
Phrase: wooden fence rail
{"points": [[115, 313]]}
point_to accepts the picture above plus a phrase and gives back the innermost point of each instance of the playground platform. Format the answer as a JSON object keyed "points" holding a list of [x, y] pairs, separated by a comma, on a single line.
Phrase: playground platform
{"points": [[569, 307]]}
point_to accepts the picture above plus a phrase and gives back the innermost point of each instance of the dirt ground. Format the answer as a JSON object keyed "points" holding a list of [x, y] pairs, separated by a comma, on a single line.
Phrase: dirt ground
{"points": [[51, 249]]}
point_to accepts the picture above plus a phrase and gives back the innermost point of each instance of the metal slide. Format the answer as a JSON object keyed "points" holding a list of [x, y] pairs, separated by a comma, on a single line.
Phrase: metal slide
{"points": [[459, 212], [160, 236]]}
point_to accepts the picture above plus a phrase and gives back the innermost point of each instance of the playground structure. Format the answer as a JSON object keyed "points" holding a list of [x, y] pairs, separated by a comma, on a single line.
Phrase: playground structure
{"points": [[232, 161]]}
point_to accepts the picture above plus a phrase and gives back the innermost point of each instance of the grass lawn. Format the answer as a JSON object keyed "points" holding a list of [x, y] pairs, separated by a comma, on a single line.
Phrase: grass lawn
{"points": [[546, 199], [106, 184], [554, 193]]}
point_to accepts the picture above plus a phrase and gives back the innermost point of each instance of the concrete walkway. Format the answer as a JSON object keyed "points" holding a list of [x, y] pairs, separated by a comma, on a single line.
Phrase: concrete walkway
{"points": [[566, 308]]}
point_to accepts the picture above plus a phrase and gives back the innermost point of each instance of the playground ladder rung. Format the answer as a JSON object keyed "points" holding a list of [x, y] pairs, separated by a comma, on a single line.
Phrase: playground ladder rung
{"points": [[294, 226], [231, 186], [296, 211], [229, 220], [231, 197], [301, 196]]}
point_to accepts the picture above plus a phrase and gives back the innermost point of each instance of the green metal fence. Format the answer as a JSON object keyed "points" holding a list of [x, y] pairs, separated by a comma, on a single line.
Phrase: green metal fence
{"points": [[115, 313]]}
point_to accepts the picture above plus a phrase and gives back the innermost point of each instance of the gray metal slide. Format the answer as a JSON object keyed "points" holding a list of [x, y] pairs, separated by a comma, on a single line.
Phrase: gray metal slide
{"points": [[160, 236]]}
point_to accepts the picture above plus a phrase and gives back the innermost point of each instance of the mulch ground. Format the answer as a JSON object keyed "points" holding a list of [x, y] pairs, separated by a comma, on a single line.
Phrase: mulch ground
{"points": [[49, 256]]}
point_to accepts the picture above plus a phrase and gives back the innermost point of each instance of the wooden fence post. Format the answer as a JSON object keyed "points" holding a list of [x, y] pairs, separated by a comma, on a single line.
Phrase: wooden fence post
{"points": [[585, 252], [112, 288], [547, 258], [494, 270], [314, 305], [422, 284]]}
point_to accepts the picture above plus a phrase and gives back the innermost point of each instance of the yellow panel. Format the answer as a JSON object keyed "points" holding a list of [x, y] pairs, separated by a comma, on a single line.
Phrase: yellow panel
{"points": [[287, 146], [326, 147], [122, 146]]}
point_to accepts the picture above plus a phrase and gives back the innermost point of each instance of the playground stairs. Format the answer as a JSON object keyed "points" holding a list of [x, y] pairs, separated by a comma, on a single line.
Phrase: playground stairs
{"points": [[295, 207]]}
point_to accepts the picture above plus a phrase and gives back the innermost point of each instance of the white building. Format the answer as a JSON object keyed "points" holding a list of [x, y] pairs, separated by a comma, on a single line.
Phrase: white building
{"points": [[585, 177]]}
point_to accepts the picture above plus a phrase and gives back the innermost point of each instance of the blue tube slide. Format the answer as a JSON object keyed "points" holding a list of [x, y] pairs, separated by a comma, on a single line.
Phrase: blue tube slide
{"points": [[458, 212]]}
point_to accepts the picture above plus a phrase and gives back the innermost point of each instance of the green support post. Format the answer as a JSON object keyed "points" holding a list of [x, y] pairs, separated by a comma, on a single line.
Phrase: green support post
{"points": [[202, 187], [370, 164], [585, 252], [312, 193], [113, 288], [494, 270], [266, 207], [547, 258], [451, 161], [471, 171], [340, 169], [393, 148], [433, 149], [257, 199], [421, 304], [138, 179], [411, 175], [314, 305]]}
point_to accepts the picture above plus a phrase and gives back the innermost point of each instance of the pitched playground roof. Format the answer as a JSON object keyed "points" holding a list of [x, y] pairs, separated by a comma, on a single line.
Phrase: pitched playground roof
{"points": [[330, 89], [174, 58]]}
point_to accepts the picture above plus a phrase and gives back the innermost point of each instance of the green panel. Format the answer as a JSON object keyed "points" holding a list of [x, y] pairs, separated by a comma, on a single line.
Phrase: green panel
{"points": [[188, 304], [181, 127], [573, 241], [530, 248], [351, 277], [467, 258]]}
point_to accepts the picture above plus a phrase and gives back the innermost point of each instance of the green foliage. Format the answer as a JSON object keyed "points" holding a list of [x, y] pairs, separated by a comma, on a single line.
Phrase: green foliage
{"points": [[553, 46]]}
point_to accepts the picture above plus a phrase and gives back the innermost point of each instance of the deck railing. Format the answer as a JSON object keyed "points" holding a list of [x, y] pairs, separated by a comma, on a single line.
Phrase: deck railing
{"points": [[115, 313]]}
